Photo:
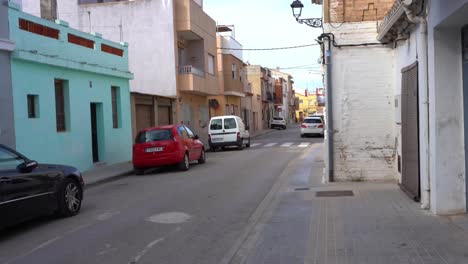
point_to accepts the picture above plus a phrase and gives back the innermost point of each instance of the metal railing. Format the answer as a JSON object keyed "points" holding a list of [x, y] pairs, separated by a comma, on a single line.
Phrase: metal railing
{"points": [[189, 69]]}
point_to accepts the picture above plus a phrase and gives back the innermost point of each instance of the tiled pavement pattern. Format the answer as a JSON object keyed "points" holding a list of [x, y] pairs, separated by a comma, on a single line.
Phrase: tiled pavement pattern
{"points": [[379, 224]]}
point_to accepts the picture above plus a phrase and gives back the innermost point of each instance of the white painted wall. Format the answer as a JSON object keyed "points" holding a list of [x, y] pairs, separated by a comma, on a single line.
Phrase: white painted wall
{"points": [[363, 105], [148, 27], [447, 142], [229, 42]]}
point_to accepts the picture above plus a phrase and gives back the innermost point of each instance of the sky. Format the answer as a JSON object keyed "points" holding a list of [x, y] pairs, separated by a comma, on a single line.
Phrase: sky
{"points": [[270, 24]]}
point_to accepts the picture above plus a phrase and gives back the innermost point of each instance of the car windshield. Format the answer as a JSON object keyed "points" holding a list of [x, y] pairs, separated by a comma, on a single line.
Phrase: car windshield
{"points": [[313, 120], [278, 118], [154, 135]]}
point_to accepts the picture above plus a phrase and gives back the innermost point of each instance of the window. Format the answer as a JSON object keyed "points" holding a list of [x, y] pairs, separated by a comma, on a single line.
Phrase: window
{"points": [[115, 91], [301, 101], [233, 71], [190, 133], [33, 109], [154, 135], [216, 124], [182, 132], [311, 103], [211, 60], [80, 41], [229, 123], [9, 160], [313, 120], [38, 29], [60, 106], [111, 50]]}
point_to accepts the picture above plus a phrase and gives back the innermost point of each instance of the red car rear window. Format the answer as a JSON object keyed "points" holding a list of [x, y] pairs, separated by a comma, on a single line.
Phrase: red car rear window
{"points": [[154, 135]]}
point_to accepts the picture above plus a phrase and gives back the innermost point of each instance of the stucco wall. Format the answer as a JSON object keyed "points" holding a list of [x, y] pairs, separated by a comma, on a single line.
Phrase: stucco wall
{"points": [[147, 25], [72, 147], [446, 106], [7, 129], [363, 105]]}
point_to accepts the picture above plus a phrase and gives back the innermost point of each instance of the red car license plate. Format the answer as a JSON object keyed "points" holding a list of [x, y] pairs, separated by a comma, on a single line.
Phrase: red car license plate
{"points": [[158, 149]]}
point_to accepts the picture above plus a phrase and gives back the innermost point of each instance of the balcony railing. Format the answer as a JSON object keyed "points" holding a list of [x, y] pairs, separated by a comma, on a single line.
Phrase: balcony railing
{"points": [[189, 69]]}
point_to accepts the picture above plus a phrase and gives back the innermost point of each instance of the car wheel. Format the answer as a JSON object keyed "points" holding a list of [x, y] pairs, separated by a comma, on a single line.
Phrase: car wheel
{"points": [[185, 164], [138, 171], [248, 144], [70, 197], [202, 157]]}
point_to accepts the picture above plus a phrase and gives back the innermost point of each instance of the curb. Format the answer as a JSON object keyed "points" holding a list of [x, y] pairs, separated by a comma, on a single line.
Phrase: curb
{"points": [[108, 179]]}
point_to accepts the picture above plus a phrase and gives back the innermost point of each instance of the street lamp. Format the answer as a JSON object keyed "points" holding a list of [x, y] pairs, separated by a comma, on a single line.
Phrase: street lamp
{"points": [[296, 7]]}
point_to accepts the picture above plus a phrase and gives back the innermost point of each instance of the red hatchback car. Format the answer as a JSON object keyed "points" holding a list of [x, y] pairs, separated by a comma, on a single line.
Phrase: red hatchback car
{"points": [[165, 146]]}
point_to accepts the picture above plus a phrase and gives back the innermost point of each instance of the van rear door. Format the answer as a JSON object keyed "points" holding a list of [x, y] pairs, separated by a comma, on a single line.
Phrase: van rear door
{"points": [[216, 130], [230, 129]]}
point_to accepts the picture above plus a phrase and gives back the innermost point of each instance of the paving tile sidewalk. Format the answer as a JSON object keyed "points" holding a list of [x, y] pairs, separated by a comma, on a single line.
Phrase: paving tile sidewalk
{"points": [[378, 224], [105, 173]]}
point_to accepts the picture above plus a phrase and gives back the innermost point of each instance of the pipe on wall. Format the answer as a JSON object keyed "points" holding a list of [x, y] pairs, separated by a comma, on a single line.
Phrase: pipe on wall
{"points": [[423, 61]]}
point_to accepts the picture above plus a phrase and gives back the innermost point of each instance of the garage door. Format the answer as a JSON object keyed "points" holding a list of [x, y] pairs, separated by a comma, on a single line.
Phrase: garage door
{"points": [[164, 115], [410, 132], [144, 116]]}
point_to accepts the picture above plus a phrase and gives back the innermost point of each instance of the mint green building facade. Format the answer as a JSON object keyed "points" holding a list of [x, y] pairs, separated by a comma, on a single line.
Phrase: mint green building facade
{"points": [[71, 97]]}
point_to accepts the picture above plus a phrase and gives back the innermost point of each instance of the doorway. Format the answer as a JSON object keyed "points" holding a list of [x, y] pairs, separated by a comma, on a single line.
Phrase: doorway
{"points": [[94, 109], [410, 181], [465, 98]]}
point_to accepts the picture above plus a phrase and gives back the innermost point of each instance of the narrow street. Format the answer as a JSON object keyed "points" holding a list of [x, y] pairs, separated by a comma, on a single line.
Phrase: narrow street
{"points": [[203, 215]]}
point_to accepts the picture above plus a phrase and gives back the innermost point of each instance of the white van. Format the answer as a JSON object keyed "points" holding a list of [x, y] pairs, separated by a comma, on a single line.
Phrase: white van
{"points": [[227, 131]]}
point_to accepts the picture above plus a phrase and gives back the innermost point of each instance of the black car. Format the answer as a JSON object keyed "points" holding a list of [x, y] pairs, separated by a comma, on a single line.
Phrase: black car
{"points": [[29, 189]]}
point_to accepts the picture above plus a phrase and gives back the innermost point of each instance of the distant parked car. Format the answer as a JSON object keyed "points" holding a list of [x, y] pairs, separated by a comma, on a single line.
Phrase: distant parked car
{"points": [[29, 189], [227, 131], [312, 126], [278, 122], [166, 146]]}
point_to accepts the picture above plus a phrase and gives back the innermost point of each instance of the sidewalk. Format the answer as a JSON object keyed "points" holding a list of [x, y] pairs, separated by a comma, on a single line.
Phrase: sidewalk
{"points": [[105, 173], [378, 223]]}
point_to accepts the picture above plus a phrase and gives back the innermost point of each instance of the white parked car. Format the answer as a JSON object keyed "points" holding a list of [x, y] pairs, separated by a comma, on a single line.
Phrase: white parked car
{"points": [[312, 126], [278, 121], [225, 131]]}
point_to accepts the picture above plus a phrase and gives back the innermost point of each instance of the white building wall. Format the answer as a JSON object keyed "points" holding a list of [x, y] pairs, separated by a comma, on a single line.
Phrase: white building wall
{"points": [[363, 105], [148, 27], [447, 142]]}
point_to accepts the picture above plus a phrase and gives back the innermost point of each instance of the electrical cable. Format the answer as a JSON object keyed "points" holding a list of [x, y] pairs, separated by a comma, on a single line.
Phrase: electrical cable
{"points": [[281, 48]]}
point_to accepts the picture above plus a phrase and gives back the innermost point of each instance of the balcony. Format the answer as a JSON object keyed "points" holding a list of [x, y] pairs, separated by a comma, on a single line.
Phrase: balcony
{"points": [[189, 69], [196, 81], [191, 21]]}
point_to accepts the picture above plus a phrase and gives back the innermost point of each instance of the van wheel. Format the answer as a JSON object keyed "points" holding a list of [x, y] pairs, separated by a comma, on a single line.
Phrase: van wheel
{"points": [[241, 146], [248, 144], [185, 164]]}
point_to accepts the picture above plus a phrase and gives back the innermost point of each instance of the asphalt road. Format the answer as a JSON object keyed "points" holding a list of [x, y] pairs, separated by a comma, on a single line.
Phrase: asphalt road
{"points": [[199, 216]]}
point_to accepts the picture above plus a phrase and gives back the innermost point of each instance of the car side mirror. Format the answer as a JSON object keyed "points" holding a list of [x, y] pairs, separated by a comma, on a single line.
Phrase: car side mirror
{"points": [[247, 128], [195, 137], [27, 166]]}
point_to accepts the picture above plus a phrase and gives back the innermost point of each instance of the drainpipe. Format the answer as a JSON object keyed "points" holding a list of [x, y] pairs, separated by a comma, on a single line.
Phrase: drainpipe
{"points": [[424, 80], [329, 125]]}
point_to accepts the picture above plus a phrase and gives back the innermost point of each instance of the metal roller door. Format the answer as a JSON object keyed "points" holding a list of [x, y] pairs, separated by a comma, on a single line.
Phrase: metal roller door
{"points": [[410, 132], [164, 115], [144, 116]]}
